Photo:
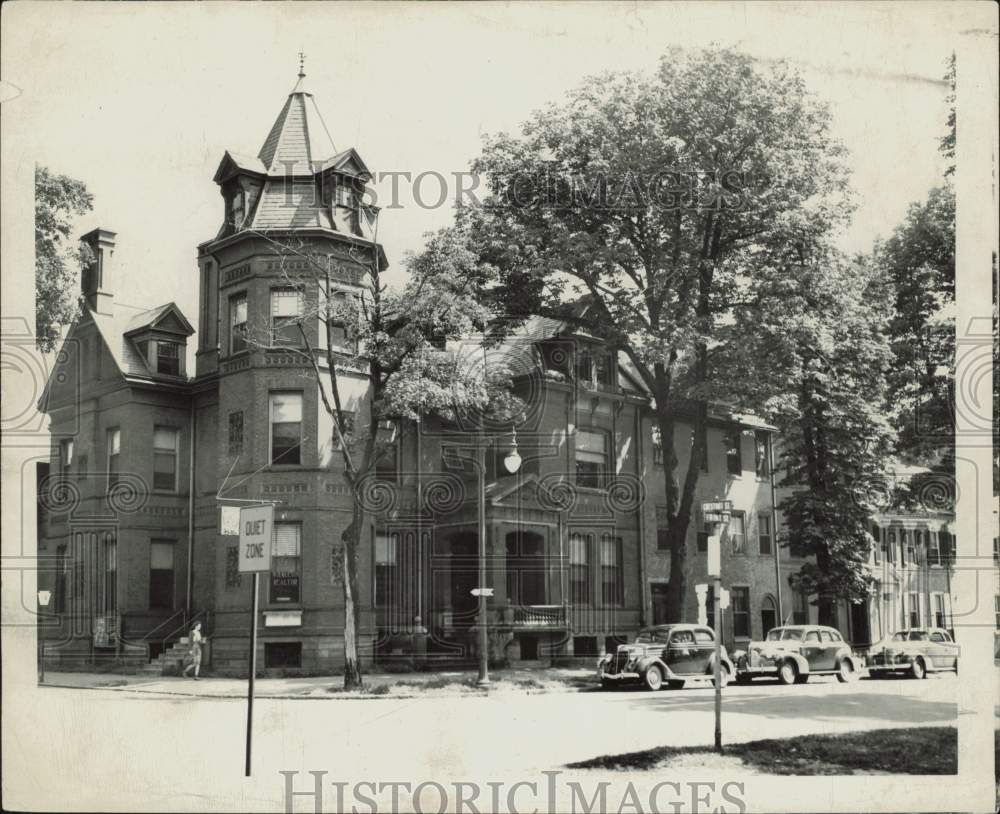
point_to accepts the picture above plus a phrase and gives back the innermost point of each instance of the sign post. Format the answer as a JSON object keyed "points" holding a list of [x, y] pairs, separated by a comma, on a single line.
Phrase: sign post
{"points": [[256, 524], [717, 512]]}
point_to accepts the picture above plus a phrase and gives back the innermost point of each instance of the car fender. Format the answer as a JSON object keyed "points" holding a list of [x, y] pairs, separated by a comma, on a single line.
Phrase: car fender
{"points": [[727, 662], [856, 663], [801, 664], [648, 661]]}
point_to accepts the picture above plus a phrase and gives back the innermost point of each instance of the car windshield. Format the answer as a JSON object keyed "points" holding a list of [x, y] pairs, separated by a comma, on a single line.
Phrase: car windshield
{"points": [[899, 637], [782, 633], [650, 636], [918, 636]]}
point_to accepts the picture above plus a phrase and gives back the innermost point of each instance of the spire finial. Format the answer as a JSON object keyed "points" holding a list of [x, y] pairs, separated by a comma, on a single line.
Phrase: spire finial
{"points": [[302, 65]]}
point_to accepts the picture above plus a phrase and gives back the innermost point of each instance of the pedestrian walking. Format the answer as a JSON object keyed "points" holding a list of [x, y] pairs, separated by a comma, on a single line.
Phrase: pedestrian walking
{"points": [[195, 652]]}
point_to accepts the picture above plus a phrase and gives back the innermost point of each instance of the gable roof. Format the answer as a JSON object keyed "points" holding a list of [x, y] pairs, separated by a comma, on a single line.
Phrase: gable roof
{"points": [[158, 318]]}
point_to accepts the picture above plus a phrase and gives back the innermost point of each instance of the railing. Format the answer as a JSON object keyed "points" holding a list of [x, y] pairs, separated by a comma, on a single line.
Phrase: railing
{"points": [[539, 615], [173, 626]]}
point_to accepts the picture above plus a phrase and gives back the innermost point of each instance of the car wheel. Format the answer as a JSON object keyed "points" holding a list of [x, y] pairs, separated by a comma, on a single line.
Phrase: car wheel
{"points": [[723, 677], [918, 669], [744, 679], [653, 678], [802, 679], [607, 685], [787, 673], [675, 685], [846, 671]]}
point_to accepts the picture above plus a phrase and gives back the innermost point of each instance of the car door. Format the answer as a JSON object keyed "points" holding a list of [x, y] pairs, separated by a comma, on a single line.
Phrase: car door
{"points": [[682, 652], [704, 641], [812, 650], [942, 650]]}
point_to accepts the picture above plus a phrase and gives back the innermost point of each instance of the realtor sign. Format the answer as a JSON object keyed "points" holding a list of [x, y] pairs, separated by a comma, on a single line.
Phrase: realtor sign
{"points": [[256, 523]]}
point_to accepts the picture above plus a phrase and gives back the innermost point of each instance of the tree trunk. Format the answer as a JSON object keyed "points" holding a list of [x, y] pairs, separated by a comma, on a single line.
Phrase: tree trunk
{"points": [[351, 537], [680, 502]]}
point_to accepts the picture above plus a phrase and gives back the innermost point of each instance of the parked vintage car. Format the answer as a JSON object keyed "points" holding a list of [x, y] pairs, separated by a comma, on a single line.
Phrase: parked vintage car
{"points": [[917, 651], [674, 654], [794, 652]]}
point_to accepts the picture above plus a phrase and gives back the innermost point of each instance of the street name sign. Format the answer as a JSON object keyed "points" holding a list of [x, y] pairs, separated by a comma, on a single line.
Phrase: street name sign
{"points": [[482, 592], [256, 523]]}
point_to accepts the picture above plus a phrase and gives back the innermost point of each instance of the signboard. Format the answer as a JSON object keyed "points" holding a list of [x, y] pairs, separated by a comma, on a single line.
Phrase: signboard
{"points": [[717, 506], [256, 523], [482, 592], [723, 599], [229, 520], [714, 564]]}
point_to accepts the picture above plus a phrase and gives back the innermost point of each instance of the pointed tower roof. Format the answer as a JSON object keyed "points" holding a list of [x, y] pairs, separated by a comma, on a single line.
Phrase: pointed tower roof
{"points": [[299, 142]]}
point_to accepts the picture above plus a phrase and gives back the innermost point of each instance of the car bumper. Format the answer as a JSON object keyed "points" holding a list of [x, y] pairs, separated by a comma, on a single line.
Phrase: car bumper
{"points": [[893, 665], [623, 677]]}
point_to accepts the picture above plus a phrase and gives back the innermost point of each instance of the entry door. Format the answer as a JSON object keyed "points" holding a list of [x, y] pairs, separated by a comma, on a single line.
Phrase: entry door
{"points": [[659, 594], [861, 631]]}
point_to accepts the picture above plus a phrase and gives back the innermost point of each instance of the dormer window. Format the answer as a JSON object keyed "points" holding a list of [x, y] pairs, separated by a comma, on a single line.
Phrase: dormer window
{"points": [[343, 192], [237, 209], [168, 358]]}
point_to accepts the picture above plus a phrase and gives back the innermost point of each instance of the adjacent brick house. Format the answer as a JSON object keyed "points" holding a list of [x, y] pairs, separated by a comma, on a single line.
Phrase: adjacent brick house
{"points": [[145, 452]]}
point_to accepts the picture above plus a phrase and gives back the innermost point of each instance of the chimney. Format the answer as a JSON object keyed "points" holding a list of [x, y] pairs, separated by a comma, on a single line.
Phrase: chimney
{"points": [[97, 280]]}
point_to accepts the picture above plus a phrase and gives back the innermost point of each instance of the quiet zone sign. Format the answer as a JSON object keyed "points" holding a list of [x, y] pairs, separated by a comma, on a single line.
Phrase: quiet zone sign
{"points": [[255, 538]]}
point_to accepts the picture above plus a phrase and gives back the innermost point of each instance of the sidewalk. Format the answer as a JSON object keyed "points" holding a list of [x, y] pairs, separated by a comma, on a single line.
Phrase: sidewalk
{"points": [[377, 685]]}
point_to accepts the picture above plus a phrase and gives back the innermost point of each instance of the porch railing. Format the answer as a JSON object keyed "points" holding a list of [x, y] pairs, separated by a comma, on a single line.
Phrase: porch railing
{"points": [[539, 615]]}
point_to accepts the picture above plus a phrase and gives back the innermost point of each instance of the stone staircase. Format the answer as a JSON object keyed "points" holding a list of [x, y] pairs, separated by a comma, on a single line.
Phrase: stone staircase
{"points": [[171, 661]]}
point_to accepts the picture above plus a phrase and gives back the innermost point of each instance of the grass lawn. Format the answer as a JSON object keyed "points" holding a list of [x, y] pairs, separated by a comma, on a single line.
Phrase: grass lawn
{"points": [[921, 750]]}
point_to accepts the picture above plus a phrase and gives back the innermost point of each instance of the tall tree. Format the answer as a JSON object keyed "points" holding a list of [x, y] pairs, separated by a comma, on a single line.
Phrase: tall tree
{"points": [[822, 335], [918, 261], [58, 260], [393, 341], [657, 198]]}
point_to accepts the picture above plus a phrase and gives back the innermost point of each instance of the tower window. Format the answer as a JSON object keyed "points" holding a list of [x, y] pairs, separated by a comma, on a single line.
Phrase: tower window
{"points": [[238, 322], [286, 310], [286, 428]]}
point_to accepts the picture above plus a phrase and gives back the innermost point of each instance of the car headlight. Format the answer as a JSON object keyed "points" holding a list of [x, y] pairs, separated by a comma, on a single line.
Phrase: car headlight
{"points": [[605, 659]]}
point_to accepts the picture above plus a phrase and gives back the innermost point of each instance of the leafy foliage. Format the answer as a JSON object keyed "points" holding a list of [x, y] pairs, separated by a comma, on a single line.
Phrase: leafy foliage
{"points": [[642, 210], [820, 333], [58, 198], [919, 263]]}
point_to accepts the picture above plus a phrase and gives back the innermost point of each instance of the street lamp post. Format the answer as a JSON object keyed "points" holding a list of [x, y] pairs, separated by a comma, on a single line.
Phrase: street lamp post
{"points": [[512, 463], [43, 602]]}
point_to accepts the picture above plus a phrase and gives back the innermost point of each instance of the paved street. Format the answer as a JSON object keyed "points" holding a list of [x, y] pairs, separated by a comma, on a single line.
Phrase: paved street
{"points": [[172, 749]]}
